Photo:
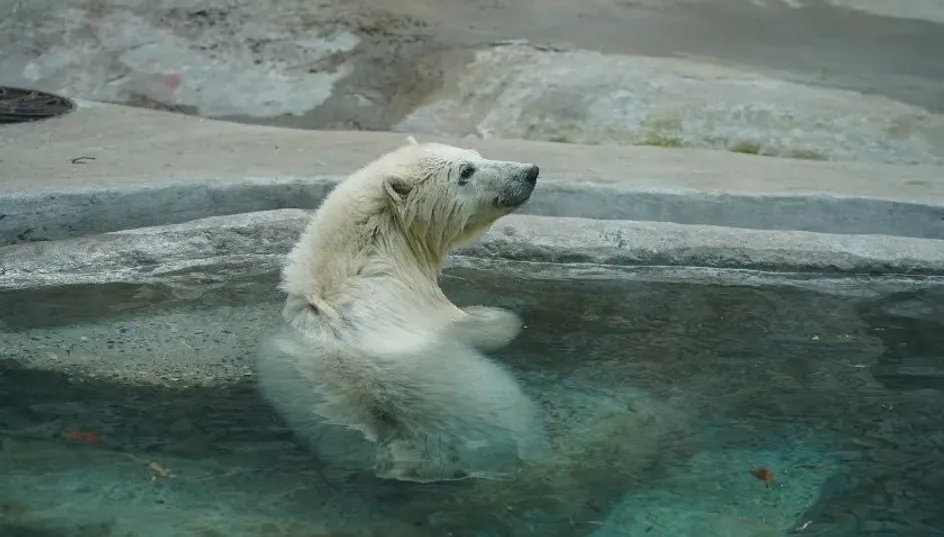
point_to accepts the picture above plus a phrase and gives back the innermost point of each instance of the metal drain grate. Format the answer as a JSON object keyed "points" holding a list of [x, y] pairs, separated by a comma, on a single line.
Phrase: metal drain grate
{"points": [[19, 105]]}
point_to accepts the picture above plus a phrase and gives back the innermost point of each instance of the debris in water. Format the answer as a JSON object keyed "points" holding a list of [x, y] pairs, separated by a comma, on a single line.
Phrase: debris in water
{"points": [[764, 475], [159, 471], [84, 436]]}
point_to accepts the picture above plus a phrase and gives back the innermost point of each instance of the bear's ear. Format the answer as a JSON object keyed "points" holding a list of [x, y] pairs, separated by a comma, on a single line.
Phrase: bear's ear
{"points": [[397, 188]]}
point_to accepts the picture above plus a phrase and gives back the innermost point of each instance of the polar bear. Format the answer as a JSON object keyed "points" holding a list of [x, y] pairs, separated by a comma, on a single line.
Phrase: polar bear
{"points": [[375, 366]]}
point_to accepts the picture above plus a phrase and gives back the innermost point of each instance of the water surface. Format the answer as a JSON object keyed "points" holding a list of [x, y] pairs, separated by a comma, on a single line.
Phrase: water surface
{"points": [[662, 396]]}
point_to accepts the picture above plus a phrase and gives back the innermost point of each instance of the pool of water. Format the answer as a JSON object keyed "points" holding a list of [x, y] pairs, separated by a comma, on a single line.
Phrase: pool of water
{"points": [[662, 396]]}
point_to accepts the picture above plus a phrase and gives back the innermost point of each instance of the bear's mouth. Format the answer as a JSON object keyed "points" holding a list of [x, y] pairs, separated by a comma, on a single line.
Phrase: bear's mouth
{"points": [[514, 196]]}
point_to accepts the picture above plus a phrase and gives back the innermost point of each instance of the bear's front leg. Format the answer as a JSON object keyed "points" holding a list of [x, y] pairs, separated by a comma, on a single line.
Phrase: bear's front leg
{"points": [[485, 328]]}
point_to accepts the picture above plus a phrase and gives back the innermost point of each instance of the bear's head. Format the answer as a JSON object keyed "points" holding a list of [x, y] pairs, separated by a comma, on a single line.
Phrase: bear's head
{"points": [[403, 211], [447, 196]]}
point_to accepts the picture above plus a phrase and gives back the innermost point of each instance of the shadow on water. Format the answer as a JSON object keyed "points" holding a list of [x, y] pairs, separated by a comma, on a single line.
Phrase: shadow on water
{"points": [[894, 484], [661, 398]]}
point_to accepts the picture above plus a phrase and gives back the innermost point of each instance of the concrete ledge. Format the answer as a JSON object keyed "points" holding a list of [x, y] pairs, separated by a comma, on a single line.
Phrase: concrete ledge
{"points": [[154, 168], [259, 240], [65, 214], [56, 215]]}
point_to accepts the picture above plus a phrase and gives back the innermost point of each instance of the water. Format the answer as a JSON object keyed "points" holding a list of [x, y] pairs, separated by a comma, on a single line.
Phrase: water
{"points": [[662, 395]]}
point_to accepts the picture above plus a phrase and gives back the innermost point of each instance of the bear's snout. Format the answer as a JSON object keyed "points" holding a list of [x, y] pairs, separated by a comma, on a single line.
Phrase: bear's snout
{"points": [[519, 187], [531, 174]]}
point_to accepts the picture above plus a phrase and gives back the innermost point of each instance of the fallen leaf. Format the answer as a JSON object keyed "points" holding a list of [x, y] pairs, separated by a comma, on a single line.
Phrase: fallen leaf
{"points": [[764, 475], [84, 436]]}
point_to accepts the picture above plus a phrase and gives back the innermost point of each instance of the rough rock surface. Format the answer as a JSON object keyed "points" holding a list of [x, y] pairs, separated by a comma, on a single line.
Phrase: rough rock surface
{"points": [[520, 91], [365, 64]]}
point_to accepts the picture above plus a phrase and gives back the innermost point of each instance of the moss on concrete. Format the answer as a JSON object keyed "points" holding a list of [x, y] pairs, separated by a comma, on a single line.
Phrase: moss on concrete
{"points": [[806, 154], [748, 148], [662, 141]]}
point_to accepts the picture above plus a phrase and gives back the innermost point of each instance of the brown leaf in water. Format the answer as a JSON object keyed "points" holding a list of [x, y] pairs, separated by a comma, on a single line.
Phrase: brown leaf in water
{"points": [[764, 475]]}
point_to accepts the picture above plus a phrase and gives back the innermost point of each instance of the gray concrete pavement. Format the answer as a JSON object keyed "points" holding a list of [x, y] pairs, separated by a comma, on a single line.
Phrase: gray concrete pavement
{"points": [[152, 168], [134, 146]]}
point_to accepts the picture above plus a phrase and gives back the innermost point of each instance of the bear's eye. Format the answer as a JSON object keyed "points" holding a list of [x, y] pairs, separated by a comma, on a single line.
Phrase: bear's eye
{"points": [[466, 173]]}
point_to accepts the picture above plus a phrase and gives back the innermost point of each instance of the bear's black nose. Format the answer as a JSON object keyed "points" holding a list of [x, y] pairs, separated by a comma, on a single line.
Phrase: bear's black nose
{"points": [[531, 174]]}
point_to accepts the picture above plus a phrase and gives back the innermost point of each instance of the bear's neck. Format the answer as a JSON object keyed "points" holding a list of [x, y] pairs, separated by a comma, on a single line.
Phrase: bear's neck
{"points": [[415, 254]]}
